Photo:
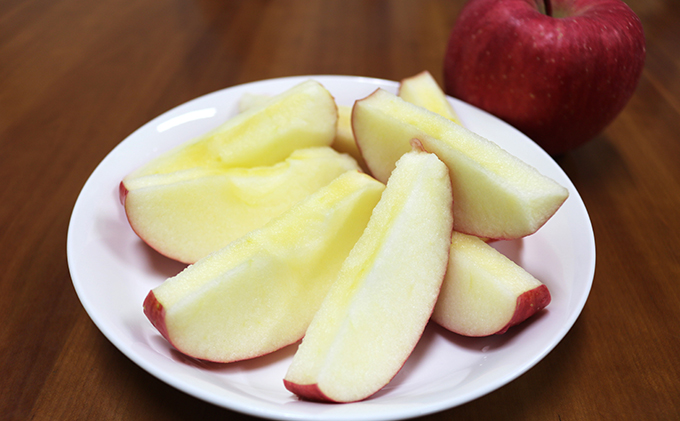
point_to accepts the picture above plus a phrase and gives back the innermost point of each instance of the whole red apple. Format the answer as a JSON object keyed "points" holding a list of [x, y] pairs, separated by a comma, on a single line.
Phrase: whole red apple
{"points": [[560, 71]]}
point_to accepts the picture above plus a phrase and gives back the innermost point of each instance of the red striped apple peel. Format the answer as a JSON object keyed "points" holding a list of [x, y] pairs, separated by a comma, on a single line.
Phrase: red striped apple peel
{"points": [[560, 76]]}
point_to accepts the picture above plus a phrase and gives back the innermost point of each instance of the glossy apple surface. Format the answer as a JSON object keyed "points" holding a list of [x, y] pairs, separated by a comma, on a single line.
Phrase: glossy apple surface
{"points": [[559, 75]]}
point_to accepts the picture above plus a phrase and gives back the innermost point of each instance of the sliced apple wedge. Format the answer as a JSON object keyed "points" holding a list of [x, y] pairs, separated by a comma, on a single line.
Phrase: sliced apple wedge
{"points": [[186, 215], [377, 309], [423, 90], [344, 138], [300, 117], [260, 292], [484, 292], [497, 195], [250, 100]]}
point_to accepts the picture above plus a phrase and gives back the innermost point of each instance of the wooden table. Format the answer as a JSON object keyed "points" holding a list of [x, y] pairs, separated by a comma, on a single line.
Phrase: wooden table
{"points": [[77, 77]]}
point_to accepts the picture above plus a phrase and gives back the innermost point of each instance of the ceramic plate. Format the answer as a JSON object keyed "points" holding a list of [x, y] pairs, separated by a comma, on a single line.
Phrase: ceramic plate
{"points": [[112, 272]]}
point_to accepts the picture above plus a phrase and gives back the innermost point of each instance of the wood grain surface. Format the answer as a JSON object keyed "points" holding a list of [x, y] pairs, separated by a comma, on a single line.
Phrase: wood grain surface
{"points": [[77, 77]]}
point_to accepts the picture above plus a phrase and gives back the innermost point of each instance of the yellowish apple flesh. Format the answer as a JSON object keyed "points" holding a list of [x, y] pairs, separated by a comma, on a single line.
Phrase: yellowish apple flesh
{"points": [[250, 100], [484, 292], [303, 116], [186, 215], [344, 138], [260, 292], [496, 195], [423, 90], [376, 311]]}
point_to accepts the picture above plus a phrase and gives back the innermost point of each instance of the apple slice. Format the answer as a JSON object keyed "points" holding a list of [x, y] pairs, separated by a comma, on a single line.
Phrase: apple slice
{"points": [[377, 309], [484, 292], [300, 117], [185, 215], [344, 138], [260, 292], [497, 195], [250, 100], [423, 90]]}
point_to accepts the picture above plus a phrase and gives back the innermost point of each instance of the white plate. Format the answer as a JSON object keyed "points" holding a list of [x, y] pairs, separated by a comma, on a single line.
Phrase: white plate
{"points": [[112, 272]]}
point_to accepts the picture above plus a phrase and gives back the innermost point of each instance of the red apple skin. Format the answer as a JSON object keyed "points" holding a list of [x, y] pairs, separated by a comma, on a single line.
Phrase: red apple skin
{"points": [[155, 312], [309, 392], [528, 304], [122, 193], [312, 393], [561, 80]]}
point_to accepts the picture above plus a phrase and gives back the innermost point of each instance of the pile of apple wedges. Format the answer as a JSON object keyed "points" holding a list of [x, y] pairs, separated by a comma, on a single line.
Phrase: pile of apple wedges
{"points": [[347, 227]]}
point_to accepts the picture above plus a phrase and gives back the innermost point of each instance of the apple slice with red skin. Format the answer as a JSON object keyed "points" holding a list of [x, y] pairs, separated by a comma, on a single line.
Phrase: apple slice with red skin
{"points": [[186, 215], [497, 195], [260, 292], [484, 292], [377, 309]]}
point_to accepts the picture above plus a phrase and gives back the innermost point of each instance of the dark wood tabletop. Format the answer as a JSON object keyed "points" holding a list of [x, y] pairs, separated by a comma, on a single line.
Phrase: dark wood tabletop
{"points": [[77, 77]]}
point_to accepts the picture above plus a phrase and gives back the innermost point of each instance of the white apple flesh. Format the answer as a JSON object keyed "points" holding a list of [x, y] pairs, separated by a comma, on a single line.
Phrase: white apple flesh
{"points": [[186, 215], [303, 116], [559, 75], [344, 138], [423, 90], [259, 293], [484, 292], [496, 195], [376, 311]]}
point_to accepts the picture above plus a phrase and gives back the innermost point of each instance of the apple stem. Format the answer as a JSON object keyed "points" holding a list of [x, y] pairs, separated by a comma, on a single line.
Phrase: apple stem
{"points": [[548, 7]]}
